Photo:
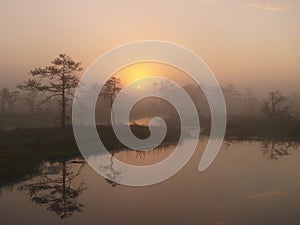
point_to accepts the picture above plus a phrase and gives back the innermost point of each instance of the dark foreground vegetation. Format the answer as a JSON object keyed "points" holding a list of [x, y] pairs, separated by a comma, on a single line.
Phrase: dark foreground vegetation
{"points": [[256, 127], [22, 150]]}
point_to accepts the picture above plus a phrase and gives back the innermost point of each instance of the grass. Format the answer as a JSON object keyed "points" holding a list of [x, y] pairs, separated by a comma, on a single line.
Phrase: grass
{"points": [[249, 128], [23, 150]]}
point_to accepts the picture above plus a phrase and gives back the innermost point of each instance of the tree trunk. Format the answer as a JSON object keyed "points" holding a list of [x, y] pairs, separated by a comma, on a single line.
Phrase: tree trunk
{"points": [[112, 112], [273, 114], [64, 184], [63, 108]]}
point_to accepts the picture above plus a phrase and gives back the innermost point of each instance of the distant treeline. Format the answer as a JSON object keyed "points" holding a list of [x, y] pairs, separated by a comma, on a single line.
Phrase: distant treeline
{"points": [[45, 100]]}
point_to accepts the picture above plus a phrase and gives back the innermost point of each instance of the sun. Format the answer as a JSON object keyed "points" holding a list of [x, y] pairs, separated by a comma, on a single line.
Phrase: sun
{"points": [[141, 70], [137, 72], [134, 72]]}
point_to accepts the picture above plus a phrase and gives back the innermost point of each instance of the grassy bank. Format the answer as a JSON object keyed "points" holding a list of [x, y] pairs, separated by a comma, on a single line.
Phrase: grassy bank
{"points": [[22, 150], [259, 128]]}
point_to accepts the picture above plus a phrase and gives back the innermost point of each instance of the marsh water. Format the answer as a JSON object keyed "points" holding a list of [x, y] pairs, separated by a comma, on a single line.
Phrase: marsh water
{"points": [[250, 182]]}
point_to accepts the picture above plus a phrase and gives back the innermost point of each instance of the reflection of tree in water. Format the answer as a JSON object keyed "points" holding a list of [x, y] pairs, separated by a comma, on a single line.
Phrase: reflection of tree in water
{"points": [[142, 155], [272, 148], [277, 149], [111, 173], [55, 188]]}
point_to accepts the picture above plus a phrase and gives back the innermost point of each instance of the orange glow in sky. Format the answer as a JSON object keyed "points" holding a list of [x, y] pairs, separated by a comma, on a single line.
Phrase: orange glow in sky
{"points": [[251, 43], [141, 70]]}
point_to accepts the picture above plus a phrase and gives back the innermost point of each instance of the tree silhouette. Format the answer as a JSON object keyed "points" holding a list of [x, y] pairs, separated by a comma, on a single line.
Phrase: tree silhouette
{"points": [[109, 91], [57, 80], [276, 106], [31, 87], [251, 101], [4, 96], [230, 92], [55, 191], [8, 98]]}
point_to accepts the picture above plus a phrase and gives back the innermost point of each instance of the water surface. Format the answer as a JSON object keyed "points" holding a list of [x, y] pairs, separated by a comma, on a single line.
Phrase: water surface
{"points": [[250, 182]]}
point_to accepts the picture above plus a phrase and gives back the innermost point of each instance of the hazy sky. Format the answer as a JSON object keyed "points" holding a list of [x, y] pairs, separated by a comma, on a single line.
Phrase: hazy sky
{"points": [[249, 43]]}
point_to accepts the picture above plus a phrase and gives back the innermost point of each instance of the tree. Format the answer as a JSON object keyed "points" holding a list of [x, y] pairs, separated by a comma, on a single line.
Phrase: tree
{"points": [[4, 95], [8, 98], [230, 92], [31, 87], [12, 99], [57, 80], [111, 88], [276, 106], [250, 101]]}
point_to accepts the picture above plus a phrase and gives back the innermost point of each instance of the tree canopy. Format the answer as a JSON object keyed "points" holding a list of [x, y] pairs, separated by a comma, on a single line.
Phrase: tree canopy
{"points": [[57, 80]]}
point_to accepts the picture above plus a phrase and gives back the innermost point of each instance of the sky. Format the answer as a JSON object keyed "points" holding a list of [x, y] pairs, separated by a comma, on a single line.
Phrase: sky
{"points": [[251, 43]]}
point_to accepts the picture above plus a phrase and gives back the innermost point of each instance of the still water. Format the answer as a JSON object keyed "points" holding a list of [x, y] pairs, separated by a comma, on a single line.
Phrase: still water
{"points": [[250, 182]]}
